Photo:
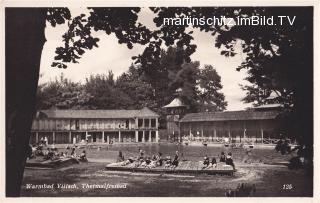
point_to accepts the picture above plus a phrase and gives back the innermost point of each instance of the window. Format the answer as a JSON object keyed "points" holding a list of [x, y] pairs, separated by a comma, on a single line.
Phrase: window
{"points": [[146, 123], [77, 125], [140, 123], [127, 123], [153, 123]]}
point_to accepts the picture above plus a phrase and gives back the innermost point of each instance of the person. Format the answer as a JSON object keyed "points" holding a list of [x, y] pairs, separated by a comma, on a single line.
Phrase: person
{"points": [[152, 164], [83, 156], [287, 148], [41, 141], [61, 155], [279, 145], [130, 160], [213, 162], [206, 162], [205, 143], [73, 152], [154, 157], [222, 157], [141, 152], [55, 151], [120, 157], [175, 161], [64, 154], [248, 151], [168, 162], [146, 162], [159, 159], [229, 160], [46, 141], [39, 150], [49, 155]]}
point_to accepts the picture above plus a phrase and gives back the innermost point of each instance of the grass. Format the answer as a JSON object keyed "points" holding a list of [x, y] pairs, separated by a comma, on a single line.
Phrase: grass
{"points": [[269, 180]]}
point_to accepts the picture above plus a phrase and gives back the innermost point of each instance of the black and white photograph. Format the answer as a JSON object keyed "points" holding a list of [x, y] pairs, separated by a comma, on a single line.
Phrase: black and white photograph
{"points": [[159, 101]]}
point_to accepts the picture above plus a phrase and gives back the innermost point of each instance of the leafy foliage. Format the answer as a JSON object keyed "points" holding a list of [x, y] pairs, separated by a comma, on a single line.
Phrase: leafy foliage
{"points": [[136, 89], [210, 85], [274, 54]]}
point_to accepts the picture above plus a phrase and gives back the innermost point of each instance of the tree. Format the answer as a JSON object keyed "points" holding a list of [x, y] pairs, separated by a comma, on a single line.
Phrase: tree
{"points": [[24, 42], [61, 94], [23, 51], [211, 98], [186, 80], [275, 55], [104, 93], [140, 91]]}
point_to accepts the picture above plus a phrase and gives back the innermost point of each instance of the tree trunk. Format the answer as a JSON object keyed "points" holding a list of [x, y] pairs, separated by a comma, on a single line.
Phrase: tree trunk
{"points": [[24, 42]]}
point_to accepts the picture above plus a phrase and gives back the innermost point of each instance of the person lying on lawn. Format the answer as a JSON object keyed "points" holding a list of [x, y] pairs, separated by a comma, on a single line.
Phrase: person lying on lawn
{"points": [[130, 160]]}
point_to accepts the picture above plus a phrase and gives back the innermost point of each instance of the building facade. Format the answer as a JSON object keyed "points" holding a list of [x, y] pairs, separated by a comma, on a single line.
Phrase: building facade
{"points": [[95, 126], [255, 125], [248, 126]]}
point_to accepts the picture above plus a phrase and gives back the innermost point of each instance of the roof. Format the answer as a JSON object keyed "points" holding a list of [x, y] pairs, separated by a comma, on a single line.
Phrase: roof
{"points": [[144, 112], [229, 116], [174, 103], [267, 106]]}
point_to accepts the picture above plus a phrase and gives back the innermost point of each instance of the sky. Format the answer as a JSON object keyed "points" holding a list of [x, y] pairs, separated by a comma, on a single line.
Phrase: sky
{"points": [[117, 57]]}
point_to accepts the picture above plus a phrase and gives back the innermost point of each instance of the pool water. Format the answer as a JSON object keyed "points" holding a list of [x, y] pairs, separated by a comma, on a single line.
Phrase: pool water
{"points": [[192, 153]]}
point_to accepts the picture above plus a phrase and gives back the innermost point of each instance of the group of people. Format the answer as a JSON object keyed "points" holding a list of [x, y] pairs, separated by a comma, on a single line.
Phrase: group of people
{"points": [[73, 154], [227, 159], [171, 163], [283, 146], [52, 153], [150, 162], [43, 141]]}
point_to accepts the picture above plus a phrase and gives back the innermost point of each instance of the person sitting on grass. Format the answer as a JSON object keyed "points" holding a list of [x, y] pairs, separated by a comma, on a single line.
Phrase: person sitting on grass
{"points": [[55, 151], [83, 156], [50, 155], [175, 161], [73, 152], [229, 160], [222, 157], [61, 155], [153, 163], [205, 162], [154, 157], [146, 162], [120, 157], [159, 159], [213, 162], [167, 162]]}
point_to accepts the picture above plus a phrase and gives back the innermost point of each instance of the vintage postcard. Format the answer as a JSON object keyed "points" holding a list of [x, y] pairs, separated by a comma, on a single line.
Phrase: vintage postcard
{"points": [[166, 99]]}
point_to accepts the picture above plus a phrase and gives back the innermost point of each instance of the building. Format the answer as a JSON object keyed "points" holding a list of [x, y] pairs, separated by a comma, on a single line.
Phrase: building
{"points": [[256, 125], [175, 111], [95, 126]]}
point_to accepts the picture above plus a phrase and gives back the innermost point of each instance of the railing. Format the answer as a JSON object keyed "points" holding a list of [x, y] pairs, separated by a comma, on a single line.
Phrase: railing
{"points": [[266, 141]]}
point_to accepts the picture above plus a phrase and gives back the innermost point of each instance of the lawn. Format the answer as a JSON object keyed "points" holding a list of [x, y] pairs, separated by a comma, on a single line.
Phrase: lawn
{"points": [[253, 169]]}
